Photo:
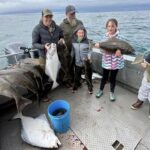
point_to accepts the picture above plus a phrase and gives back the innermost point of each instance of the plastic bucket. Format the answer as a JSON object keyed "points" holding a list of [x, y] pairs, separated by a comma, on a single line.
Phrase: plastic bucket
{"points": [[59, 121]]}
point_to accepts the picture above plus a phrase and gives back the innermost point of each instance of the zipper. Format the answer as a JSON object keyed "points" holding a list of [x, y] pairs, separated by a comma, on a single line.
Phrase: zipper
{"points": [[80, 53]]}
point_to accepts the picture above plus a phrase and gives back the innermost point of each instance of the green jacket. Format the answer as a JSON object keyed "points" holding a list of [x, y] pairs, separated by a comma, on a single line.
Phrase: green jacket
{"points": [[68, 31]]}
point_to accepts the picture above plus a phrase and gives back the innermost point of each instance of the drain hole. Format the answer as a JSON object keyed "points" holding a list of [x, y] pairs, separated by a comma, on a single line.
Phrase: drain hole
{"points": [[115, 144], [120, 147]]}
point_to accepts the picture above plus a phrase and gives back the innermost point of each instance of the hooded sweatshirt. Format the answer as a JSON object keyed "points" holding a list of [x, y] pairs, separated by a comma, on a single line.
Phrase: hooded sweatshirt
{"points": [[80, 48]]}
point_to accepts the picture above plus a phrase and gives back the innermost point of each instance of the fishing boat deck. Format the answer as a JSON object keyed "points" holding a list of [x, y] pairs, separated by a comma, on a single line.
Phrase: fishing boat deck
{"points": [[95, 123]]}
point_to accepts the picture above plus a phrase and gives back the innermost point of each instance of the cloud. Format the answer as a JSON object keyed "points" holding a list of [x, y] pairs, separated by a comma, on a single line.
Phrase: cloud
{"points": [[28, 5]]}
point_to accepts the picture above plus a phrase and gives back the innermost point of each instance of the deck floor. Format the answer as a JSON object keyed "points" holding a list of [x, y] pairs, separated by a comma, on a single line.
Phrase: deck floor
{"points": [[95, 123]]}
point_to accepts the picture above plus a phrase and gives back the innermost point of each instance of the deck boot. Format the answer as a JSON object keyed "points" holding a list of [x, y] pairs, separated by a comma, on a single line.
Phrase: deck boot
{"points": [[99, 94], [112, 96], [137, 105]]}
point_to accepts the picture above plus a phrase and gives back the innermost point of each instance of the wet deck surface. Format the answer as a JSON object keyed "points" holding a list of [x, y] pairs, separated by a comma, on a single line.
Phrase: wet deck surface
{"points": [[95, 123]]}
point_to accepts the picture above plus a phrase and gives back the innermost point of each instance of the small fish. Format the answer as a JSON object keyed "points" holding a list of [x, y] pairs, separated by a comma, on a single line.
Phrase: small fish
{"points": [[6, 89], [113, 44], [37, 132], [59, 112]]}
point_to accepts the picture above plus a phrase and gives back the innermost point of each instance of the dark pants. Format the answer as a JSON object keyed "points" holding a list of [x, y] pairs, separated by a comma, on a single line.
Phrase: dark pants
{"points": [[113, 75], [88, 75]]}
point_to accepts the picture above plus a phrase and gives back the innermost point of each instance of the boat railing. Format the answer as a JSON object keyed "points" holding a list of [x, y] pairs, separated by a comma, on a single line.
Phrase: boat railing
{"points": [[24, 51]]}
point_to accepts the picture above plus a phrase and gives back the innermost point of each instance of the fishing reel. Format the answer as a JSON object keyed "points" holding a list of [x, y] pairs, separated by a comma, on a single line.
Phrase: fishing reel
{"points": [[25, 49]]}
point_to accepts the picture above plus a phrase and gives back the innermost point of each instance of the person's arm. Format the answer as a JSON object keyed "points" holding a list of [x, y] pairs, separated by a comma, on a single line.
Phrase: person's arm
{"points": [[36, 40]]}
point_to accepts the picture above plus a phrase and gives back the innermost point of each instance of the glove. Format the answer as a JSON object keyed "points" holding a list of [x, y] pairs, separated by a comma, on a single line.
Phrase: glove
{"points": [[61, 41], [47, 46]]}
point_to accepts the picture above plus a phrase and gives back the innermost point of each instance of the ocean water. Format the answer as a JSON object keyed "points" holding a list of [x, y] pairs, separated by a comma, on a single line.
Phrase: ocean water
{"points": [[133, 25]]}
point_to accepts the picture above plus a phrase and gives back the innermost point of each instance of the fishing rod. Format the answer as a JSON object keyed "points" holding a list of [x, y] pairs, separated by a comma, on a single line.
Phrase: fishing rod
{"points": [[96, 32]]}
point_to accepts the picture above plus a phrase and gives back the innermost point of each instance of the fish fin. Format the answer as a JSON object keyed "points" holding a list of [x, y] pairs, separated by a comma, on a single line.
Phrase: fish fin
{"points": [[24, 102], [58, 142], [17, 116], [55, 84]]}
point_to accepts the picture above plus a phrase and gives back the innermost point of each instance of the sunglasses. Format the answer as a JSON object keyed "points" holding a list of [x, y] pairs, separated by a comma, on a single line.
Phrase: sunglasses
{"points": [[72, 13]]}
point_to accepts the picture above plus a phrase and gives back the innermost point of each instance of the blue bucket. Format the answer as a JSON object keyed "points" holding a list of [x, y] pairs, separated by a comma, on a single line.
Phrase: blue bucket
{"points": [[61, 122]]}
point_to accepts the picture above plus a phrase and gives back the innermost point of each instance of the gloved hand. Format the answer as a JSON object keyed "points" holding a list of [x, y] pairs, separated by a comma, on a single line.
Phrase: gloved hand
{"points": [[61, 41], [51, 49], [47, 46]]}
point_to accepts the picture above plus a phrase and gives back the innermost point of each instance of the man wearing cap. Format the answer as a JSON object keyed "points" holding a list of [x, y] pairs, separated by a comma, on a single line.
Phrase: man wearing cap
{"points": [[46, 32], [68, 26]]}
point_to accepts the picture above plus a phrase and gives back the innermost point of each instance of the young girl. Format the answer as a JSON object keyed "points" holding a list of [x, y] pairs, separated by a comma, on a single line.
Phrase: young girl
{"points": [[144, 90], [81, 53], [111, 62]]}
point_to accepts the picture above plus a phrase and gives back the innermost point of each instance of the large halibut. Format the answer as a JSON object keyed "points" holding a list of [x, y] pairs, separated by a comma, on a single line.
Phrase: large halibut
{"points": [[113, 44]]}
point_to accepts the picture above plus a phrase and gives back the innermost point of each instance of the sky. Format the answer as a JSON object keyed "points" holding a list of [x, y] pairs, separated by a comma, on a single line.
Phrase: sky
{"points": [[10, 6]]}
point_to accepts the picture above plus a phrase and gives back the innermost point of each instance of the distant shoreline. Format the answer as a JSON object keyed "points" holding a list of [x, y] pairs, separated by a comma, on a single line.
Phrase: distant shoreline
{"points": [[60, 12]]}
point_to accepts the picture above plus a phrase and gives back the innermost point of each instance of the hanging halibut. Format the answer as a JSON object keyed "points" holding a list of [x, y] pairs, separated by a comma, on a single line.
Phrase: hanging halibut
{"points": [[52, 64]]}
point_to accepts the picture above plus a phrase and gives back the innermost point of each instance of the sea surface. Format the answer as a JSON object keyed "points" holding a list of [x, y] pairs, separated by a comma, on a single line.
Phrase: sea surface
{"points": [[133, 25]]}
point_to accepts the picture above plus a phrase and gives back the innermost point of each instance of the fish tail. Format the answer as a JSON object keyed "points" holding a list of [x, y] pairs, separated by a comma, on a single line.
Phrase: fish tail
{"points": [[55, 84], [23, 103], [17, 116]]}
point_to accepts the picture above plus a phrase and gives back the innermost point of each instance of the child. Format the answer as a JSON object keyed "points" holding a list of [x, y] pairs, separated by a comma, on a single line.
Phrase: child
{"points": [[81, 53], [144, 90], [111, 62]]}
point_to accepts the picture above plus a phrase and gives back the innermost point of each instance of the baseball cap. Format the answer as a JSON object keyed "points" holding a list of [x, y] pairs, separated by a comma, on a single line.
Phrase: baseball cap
{"points": [[70, 9], [47, 12]]}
